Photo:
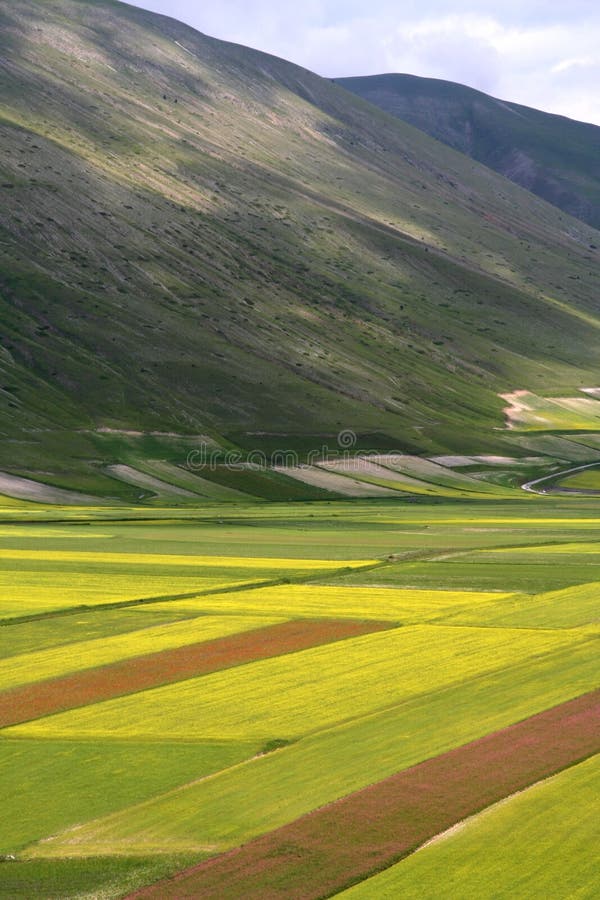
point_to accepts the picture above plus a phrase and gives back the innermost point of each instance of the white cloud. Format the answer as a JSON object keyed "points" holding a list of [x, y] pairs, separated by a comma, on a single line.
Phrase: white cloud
{"points": [[577, 62]]}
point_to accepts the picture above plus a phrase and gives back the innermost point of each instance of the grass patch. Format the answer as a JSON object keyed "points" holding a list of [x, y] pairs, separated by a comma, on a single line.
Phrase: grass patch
{"points": [[103, 878], [49, 785]]}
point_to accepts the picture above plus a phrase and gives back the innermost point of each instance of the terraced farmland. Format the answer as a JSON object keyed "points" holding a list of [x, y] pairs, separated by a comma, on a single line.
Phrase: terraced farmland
{"points": [[176, 687]]}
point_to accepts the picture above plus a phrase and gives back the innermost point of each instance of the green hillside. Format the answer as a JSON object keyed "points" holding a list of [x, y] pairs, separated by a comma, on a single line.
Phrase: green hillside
{"points": [[200, 239], [554, 157]]}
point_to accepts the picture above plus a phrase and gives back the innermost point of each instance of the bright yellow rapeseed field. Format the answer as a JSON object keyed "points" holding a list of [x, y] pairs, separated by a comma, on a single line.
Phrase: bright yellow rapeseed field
{"points": [[29, 593], [392, 604], [302, 692], [175, 559]]}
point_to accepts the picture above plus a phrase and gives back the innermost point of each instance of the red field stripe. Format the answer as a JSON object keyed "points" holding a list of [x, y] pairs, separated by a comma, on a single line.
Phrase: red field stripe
{"points": [[32, 701], [327, 850]]}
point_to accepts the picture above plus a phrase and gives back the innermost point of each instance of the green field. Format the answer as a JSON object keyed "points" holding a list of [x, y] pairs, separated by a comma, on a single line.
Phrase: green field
{"points": [[54, 784], [321, 768], [457, 573], [513, 850], [581, 481], [106, 877], [147, 783]]}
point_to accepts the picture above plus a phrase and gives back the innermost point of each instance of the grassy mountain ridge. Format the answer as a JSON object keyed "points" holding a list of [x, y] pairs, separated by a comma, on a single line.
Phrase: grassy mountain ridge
{"points": [[197, 237], [555, 157]]}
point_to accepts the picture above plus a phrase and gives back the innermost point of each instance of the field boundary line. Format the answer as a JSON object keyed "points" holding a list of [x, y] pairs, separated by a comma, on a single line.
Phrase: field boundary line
{"points": [[207, 592], [448, 832]]}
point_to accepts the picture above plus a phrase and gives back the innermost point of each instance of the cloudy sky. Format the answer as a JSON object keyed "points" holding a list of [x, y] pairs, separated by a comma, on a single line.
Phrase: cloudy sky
{"points": [[543, 53]]}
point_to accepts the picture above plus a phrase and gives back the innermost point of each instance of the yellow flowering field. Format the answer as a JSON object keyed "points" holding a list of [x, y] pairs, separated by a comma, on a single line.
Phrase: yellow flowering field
{"points": [[392, 604], [302, 692]]}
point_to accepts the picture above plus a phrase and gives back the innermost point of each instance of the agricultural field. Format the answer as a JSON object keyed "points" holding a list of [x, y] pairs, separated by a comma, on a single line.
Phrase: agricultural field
{"points": [[507, 840], [181, 681], [389, 818], [38, 580], [588, 480], [531, 412]]}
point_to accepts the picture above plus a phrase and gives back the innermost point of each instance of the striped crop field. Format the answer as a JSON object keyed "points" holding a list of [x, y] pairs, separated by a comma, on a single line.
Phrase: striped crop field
{"points": [[31, 667], [322, 478], [46, 631], [130, 560], [582, 551], [371, 473], [176, 688], [27, 592], [288, 697], [499, 845], [360, 834], [323, 767], [38, 581], [131, 675]]}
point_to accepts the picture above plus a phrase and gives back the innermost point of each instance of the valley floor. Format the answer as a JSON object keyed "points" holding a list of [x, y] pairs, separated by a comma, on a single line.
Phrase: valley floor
{"points": [[326, 685]]}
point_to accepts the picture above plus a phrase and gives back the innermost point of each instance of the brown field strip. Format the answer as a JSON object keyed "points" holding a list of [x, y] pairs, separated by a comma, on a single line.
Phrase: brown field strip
{"points": [[325, 851], [42, 698]]}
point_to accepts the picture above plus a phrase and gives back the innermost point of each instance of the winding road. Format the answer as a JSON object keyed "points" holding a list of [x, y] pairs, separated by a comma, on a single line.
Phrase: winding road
{"points": [[530, 485]]}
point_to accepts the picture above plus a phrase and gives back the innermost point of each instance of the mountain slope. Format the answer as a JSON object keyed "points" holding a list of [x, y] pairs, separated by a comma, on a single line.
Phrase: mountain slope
{"points": [[197, 237], [554, 157]]}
